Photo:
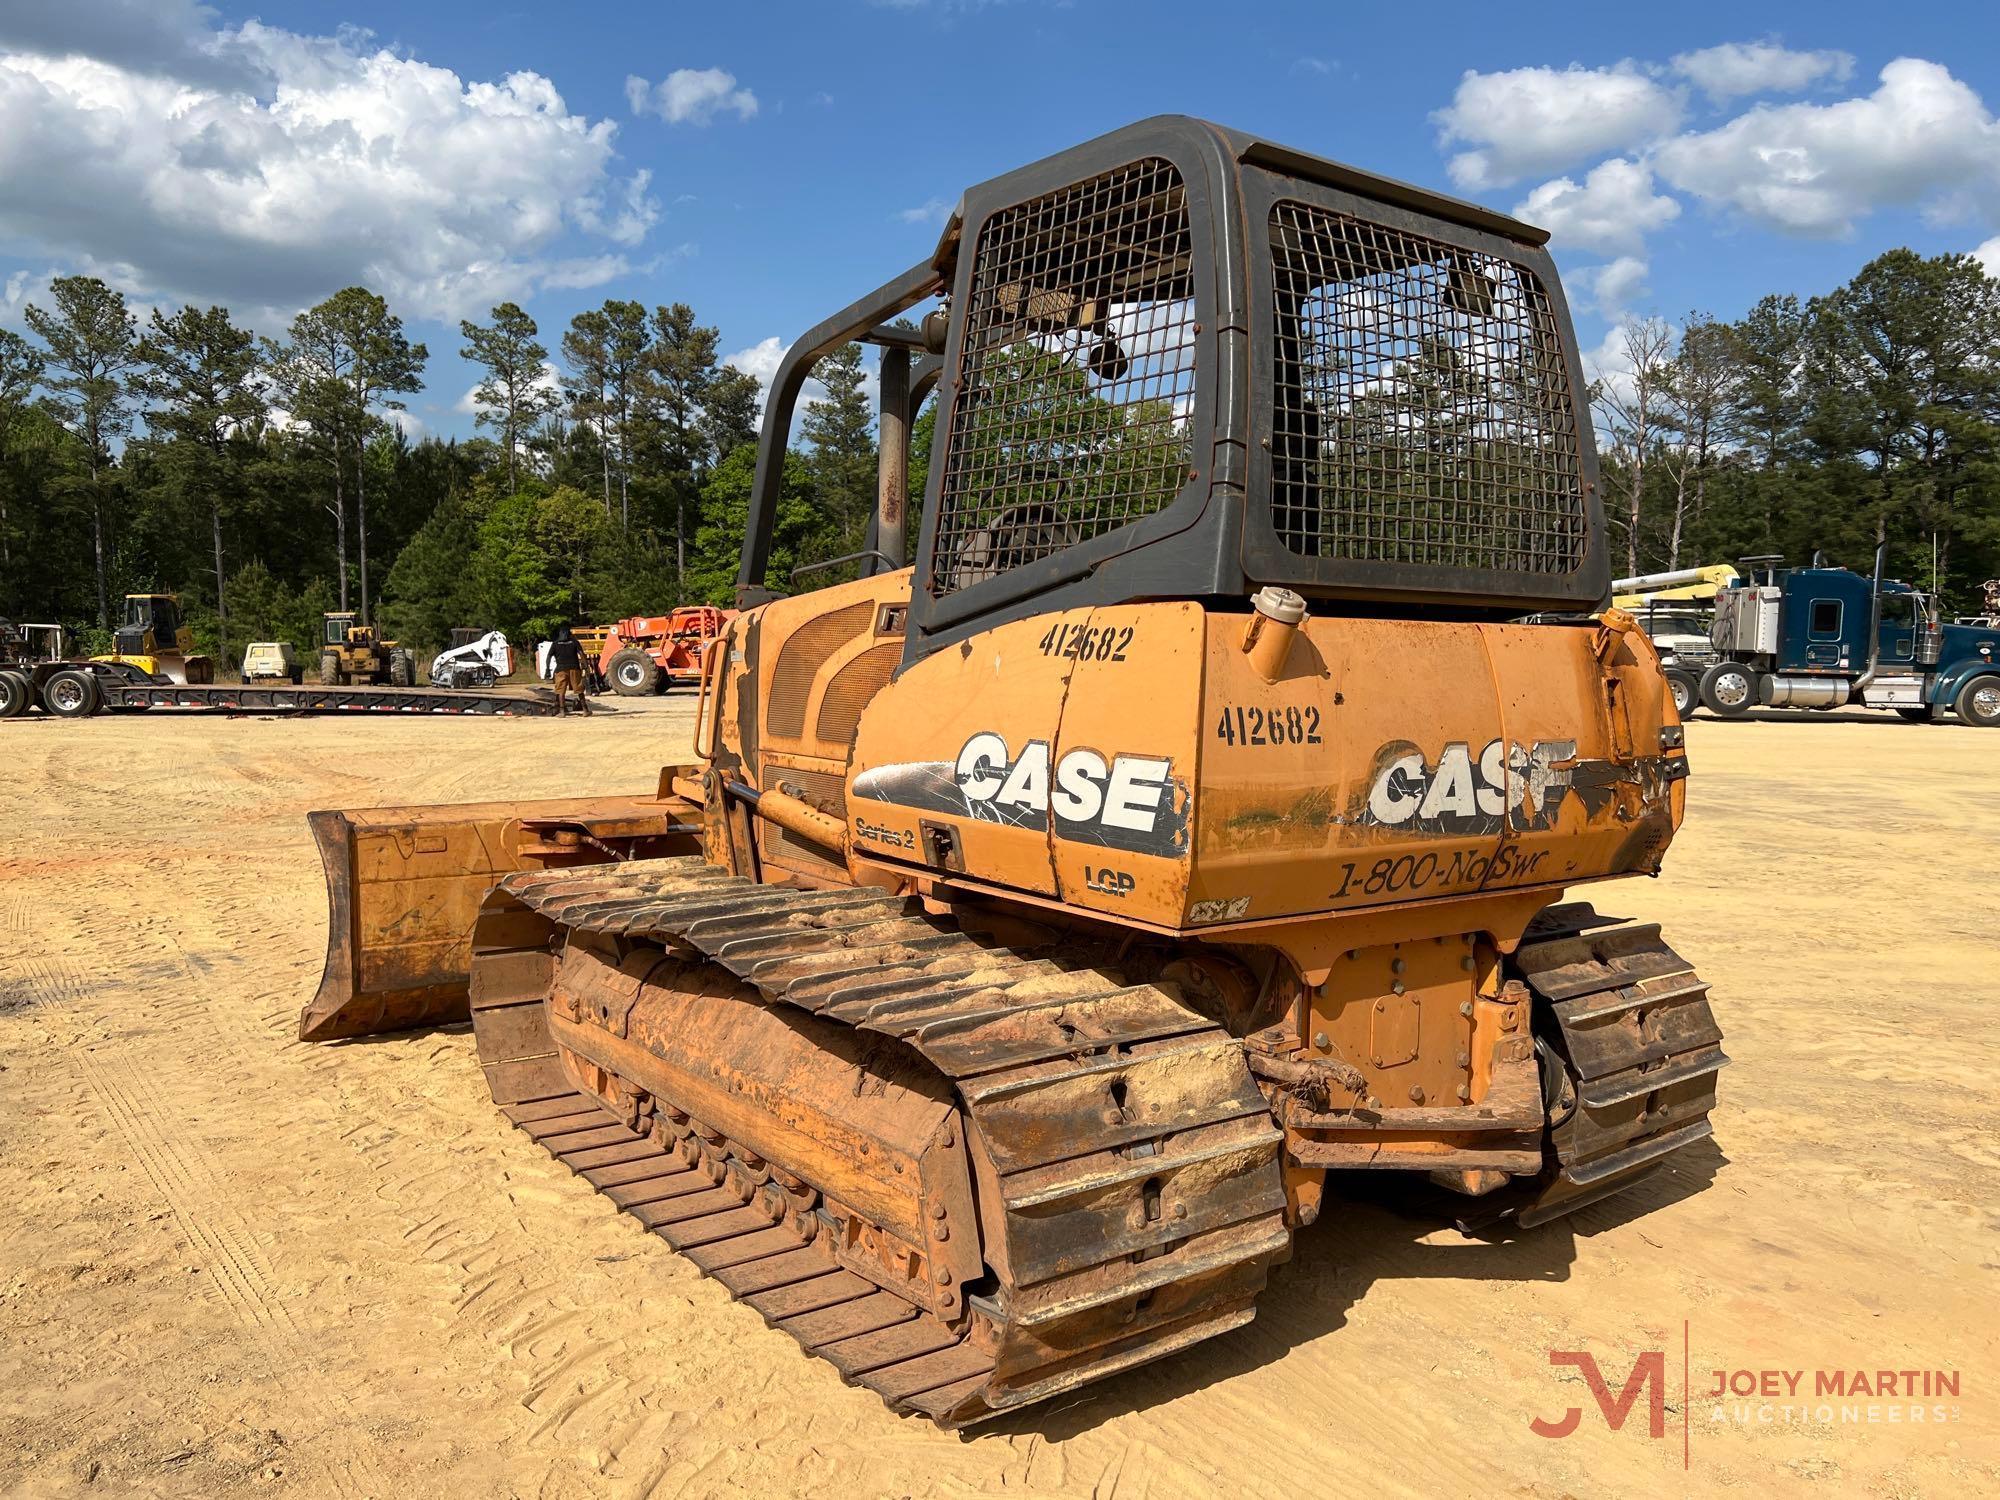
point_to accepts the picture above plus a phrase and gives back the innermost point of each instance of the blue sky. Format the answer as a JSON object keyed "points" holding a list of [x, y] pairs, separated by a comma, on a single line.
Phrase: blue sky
{"points": [[782, 158]]}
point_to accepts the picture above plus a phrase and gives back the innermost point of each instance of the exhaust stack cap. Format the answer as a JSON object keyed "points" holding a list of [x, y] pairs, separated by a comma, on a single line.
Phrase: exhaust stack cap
{"points": [[1282, 605]]}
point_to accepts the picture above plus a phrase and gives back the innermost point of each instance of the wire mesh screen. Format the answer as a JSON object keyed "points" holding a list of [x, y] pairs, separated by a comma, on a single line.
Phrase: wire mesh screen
{"points": [[1076, 375], [1422, 408]]}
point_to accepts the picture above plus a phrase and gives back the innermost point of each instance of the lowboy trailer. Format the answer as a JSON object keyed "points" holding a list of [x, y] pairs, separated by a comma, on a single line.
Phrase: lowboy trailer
{"points": [[68, 689]]}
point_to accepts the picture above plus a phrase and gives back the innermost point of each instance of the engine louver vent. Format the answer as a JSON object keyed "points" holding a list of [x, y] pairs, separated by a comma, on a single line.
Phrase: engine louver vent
{"points": [[800, 660], [852, 688]]}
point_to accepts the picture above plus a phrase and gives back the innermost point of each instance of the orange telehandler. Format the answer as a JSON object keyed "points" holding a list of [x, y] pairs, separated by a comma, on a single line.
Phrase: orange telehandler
{"points": [[1046, 931]]}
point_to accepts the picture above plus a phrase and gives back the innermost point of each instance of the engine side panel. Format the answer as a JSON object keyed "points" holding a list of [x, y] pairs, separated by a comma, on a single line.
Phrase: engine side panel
{"points": [[1129, 761]]}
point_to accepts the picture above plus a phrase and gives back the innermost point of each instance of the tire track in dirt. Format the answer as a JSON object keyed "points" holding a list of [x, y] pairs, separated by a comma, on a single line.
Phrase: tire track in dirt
{"points": [[225, 1243], [50, 982]]}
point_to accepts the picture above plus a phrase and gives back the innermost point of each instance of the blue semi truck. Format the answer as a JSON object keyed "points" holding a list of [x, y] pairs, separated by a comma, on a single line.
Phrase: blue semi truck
{"points": [[1822, 637]]}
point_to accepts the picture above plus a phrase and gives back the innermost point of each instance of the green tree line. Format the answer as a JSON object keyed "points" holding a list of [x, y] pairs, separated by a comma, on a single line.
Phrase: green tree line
{"points": [[267, 480], [1871, 414]]}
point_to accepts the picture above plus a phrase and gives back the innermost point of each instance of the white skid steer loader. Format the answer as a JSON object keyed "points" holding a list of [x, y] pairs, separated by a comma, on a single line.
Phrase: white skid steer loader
{"points": [[476, 664]]}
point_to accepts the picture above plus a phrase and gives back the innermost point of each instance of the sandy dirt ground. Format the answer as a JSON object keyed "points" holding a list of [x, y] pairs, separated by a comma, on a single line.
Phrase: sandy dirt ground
{"points": [[232, 1264]]}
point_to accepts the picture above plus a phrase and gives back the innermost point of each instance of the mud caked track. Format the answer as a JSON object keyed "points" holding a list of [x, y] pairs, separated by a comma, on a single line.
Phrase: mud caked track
{"points": [[805, 1092], [1129, 1165], [1630, 1051]]}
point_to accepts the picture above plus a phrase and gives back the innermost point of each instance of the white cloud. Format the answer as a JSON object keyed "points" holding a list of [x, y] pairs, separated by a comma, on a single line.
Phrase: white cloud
{"points": [[1612, 289], [636, 211], [1735, 69], [580, 272], [1816, 168], [24, 289], [763, 358], [760, 359], [345, 164], [1612, 211], [690, 96], [1610, 363], [1988, 255], [930, 211], [170, 38], [1533, 120]]}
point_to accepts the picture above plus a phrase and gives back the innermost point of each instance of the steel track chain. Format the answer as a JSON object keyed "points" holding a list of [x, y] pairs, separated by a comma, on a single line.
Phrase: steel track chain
{"points": [[1139, 1179]]}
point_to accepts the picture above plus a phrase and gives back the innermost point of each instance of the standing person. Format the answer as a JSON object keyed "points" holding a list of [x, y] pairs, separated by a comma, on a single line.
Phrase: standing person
{"points": [[566, 657]]}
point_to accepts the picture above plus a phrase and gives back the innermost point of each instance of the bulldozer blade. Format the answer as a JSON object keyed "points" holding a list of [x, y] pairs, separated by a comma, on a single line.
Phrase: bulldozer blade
{"points": [[404, 886]]}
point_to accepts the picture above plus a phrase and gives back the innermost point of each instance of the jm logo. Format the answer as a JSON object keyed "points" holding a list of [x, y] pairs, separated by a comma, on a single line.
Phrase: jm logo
{"points": [[1649, 1375]]}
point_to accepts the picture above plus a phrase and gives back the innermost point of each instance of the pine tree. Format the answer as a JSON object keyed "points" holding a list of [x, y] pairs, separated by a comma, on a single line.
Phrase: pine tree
{"points": [[344, 358], [20, 373], [430, 590], [842, 460], [92, 345], [674, 380], [729, 411], [515, 393], [201, 370], [1768, 344]]}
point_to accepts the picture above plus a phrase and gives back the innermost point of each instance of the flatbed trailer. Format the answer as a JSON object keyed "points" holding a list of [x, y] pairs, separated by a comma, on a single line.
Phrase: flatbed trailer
{"points": [[71, 689], [308, 699]]}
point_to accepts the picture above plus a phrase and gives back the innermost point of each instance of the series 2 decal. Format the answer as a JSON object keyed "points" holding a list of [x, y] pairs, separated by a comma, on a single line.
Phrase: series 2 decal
{"points": [[876, 833], [1124, 801]]}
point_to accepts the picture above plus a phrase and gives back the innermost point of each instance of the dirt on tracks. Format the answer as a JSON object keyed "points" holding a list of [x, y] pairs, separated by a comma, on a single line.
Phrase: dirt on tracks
{"points": [[232, 1264]]}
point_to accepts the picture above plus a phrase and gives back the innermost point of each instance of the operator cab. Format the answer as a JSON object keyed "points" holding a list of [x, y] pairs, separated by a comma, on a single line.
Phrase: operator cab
{"points": [[337, 627], [152, 623], [1816, 619], [1183, 362]]}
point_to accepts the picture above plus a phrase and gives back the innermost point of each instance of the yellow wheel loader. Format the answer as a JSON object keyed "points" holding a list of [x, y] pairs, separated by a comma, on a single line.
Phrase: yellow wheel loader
{"points": [[153, 639], [1046, 932], [351, 653]]}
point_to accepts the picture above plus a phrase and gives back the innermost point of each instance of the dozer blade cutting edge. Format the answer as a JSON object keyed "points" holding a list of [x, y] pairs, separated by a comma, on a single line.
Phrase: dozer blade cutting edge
{"points": [[404, 886]]}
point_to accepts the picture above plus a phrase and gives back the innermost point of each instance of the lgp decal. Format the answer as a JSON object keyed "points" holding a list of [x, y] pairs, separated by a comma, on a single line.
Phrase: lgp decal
{"points": [[1108, 882], [1118, 802]]}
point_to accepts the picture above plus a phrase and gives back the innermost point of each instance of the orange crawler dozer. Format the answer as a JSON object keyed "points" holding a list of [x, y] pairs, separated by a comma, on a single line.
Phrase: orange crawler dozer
{"points": [[1044, 933]]}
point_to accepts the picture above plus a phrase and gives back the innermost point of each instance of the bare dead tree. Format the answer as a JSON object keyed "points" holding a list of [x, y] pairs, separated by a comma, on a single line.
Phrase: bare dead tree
{"points": [[1697, 387], [1631, 410]]}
